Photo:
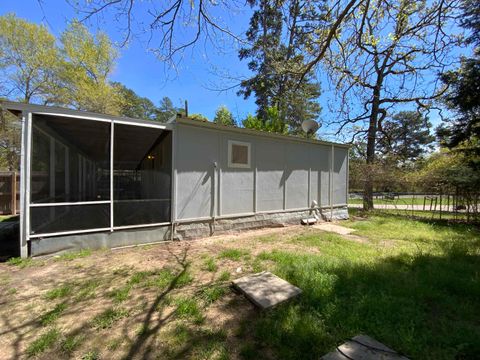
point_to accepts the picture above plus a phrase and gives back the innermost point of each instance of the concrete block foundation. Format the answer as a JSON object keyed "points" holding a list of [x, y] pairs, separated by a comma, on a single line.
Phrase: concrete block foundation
{"points": [[182, 231]]}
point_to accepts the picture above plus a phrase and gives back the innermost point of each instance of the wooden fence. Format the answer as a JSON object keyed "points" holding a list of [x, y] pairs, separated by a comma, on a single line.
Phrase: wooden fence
{"points": [[9, 193]]}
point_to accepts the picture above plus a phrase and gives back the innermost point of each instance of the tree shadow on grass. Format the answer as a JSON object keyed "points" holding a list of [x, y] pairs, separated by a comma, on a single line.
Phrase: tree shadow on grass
{"points": [[424, 306], [150, 326]]}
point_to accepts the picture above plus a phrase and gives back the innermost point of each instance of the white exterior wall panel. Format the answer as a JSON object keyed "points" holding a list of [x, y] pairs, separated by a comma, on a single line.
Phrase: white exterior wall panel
{"points": [[340, 164], [270, 162], [283, 175], [236, 184], [195, 154], [296, 175]]}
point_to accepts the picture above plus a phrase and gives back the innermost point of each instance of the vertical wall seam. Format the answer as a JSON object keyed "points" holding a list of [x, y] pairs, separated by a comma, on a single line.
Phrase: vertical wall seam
{"points": [[219, 170], [332, 159], [112, 149]]}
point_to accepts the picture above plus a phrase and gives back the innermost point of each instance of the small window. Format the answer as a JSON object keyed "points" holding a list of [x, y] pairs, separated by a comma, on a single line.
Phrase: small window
{"points": [[238, 154]]}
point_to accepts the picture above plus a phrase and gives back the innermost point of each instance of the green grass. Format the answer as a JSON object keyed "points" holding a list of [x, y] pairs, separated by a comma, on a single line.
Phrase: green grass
{"points": [[413, 284], [188, 309], [71, 342], [109, 317], [233, 254], [72, 255], [120, 294], [415, 214], [187, 342], [12, 291], [224, 276], [398, 201], [419, 295], [209, 264], [42, 343], [166, 278], [91, 355], [212, 293], [7, 217], [59, 291], [52, 315], [21, 263], [87, 289]]}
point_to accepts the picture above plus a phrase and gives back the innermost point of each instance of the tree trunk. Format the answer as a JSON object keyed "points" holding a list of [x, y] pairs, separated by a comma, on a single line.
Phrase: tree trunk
{"points": [[372, 134]]}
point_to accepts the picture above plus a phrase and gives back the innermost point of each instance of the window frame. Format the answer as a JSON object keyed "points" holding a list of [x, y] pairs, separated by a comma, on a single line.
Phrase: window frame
{"points": [[231, 164], [57, 142]]}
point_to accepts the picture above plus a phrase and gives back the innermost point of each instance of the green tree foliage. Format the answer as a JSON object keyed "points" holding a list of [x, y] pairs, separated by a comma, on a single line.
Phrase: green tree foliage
{"points": [[384, 58], [134, 106], [450, 172], [198, 117], [88, 63], [462, 132], [10, 141], [277, 32], [405, 137], [29, 60], [166, 110], [471, 21], [73, 72], [271, 123], [463, 98], [223, 116]]}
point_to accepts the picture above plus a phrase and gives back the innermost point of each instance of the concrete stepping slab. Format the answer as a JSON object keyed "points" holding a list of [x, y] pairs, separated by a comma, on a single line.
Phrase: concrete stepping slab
{"points": [[265, 289], [363, 347], [338, 229]]}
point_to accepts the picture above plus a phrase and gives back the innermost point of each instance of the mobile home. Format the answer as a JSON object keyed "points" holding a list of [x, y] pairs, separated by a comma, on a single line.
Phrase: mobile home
{"points": [[93, 180]]}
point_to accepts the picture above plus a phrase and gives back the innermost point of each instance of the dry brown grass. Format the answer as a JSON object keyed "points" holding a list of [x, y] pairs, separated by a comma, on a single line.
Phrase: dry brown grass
{"points": [[124, 302]]}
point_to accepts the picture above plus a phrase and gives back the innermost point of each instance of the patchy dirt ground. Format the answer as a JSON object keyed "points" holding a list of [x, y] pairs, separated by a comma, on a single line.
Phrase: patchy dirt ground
{"points": [[170, 300]]}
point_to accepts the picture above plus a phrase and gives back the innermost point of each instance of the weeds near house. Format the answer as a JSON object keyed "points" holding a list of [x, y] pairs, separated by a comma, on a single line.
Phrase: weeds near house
{"points": [[212, 293], [87, 289], [72, 255], [91, 355], [21, 262], [233, 254], [12, 291], [107, 318], [210, 265], [52, 315], [72, 342], [121, 294], [188, 309], [224, 276], [42, 343], [59, 292]]}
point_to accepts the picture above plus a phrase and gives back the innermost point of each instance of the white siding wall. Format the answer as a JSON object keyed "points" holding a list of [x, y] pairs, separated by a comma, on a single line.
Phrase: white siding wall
{"points": [[278, 178]]}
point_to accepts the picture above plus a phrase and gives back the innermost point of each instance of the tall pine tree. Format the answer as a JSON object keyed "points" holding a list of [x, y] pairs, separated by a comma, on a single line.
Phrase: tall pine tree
{"points": [[278, 29]]}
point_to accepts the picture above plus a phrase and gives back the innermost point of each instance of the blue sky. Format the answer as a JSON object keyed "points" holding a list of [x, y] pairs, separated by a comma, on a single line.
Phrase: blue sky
{"points": [[197, 72], [141, 71]]}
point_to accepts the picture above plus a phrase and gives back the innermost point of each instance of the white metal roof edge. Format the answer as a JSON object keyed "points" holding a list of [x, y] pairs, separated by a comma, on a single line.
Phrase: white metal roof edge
{"points": [[61, 111], [214, 126]]}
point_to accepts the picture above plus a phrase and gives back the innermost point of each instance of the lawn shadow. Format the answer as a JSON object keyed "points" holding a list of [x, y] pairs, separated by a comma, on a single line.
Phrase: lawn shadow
{"points": [[424, 306], [151, 327], [9, 238]]}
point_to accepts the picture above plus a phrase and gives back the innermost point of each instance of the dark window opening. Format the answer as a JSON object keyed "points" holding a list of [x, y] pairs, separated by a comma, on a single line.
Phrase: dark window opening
{"points": [[70, 160], [142, 175]]}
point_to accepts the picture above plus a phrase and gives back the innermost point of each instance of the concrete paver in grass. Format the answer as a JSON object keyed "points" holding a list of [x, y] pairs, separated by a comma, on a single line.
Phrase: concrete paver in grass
{"points": [[338, 229], [265, 289], [362, 347]]}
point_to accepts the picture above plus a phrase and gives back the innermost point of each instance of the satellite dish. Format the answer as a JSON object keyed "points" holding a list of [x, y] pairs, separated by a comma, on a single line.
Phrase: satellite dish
{"points": [[310, 126]]}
